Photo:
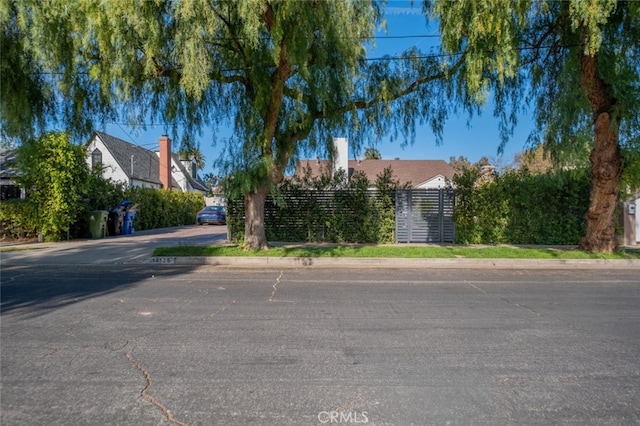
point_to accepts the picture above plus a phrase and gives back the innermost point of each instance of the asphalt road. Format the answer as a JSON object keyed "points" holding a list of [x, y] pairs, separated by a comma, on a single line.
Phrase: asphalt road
{"points": [[201, 345]]}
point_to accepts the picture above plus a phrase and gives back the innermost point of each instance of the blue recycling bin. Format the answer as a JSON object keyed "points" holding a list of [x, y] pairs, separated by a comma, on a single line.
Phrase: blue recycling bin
{"points": [[116, 224], [129, 216]]}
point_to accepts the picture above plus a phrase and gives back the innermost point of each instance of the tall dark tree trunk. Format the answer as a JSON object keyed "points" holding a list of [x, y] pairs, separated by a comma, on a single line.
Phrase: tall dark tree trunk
{"points": [[255, 237], [606, 162], [606, 167]]}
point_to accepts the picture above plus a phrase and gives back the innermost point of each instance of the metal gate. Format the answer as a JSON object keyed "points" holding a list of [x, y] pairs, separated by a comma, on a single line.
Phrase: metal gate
{"points": [[425, 216]]}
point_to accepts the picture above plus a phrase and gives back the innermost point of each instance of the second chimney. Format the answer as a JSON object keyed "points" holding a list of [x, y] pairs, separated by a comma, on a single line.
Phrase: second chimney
{"points": [[165, 161]]}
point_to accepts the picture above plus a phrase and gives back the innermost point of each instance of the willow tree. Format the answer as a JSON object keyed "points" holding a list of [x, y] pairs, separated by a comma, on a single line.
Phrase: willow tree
{"points": [[286, 74], [578, 61]]}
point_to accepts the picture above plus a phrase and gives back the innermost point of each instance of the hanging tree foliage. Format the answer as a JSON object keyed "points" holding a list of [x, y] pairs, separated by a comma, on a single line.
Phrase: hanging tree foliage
{"points": [[578, 62], [288, 75]]}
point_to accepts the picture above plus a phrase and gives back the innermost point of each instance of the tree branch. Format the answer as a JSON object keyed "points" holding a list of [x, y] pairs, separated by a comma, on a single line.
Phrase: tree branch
{"points": [[162, 71], [364, 104]]}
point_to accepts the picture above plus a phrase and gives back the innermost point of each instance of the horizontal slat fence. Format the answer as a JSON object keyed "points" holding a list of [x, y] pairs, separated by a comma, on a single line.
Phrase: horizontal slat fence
{"points": [[353, 216], [425, 216]]}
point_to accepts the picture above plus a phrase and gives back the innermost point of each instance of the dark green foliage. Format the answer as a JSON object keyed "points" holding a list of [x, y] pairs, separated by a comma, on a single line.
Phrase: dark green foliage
{"points": [[154, 209], [18, 219], [521, 208], [326, 210], [385, 205], [161, 208], [102, 194]]}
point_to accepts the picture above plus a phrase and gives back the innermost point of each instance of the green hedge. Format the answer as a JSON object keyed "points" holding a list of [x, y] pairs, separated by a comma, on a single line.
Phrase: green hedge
{"points": [[162, 208], [522, 208], [306, 209], [18, 219], [515, 208], [339, 216], [155, 209]]}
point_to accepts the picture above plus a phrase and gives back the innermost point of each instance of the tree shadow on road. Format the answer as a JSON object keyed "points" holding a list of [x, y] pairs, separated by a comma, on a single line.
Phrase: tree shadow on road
{"points": [[33, 291]]}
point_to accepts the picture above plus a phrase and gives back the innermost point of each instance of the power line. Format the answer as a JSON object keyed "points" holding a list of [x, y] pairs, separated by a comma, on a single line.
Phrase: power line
{"points": [[124, 131], [406, 36]]}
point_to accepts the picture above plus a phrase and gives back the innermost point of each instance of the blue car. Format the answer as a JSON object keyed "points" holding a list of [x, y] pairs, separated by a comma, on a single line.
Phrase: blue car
{"points": [[212, 215]]}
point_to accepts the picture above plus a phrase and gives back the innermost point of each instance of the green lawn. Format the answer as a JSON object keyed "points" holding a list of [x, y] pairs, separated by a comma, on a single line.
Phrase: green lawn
{"points": [[396, 251]]}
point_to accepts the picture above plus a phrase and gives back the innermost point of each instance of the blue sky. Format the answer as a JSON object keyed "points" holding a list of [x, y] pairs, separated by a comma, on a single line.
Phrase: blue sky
{"points": [[477, 139]]}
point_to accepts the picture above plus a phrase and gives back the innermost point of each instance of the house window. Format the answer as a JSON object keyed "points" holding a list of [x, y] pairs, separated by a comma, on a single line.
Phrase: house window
{"points": [[96, 159], [194, 169]]}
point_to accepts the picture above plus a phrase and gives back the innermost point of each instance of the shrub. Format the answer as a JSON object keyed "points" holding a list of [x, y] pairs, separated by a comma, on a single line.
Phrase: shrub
{"points": [[324, 209], [160, 208], [522, 208], [18, 219], [55, 175]]}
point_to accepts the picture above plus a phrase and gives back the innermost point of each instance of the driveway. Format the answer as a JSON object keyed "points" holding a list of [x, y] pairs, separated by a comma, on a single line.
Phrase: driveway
{"points": [[133, 248]]}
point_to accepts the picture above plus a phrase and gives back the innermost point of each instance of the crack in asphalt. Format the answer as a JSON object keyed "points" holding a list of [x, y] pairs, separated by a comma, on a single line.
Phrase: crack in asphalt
{"points": [[507, 301], [148, 397], [221, 310], [144, 393], [275, 287], [518, 305]]}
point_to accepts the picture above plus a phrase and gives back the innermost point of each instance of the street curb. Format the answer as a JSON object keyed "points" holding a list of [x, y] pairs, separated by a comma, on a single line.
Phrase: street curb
{"points": [[397, 263]]}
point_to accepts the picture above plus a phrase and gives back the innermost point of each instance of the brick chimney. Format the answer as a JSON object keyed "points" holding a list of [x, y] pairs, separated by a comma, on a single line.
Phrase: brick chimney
{"points": [[165, 161]]}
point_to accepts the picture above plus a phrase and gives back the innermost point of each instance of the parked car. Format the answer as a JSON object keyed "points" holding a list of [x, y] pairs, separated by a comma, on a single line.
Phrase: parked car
{"points": [[212, 215]]}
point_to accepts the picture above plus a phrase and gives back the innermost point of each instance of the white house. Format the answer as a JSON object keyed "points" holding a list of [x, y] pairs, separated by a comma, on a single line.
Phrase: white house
{"points": [[136, 166]]}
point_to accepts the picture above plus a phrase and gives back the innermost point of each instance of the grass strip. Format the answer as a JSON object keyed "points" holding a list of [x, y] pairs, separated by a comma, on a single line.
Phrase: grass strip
{"points": [[373, 251]]}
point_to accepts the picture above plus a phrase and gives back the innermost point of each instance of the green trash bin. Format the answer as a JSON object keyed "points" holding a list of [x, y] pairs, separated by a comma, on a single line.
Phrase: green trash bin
{"points": [[98, 223]]}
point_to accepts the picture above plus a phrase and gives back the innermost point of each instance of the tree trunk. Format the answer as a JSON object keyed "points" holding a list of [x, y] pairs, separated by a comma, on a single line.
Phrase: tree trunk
{"points": [[606, 161], [255, 237], [606, 167]]}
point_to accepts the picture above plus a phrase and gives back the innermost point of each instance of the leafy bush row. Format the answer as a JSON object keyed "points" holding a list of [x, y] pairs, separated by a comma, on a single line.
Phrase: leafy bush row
{"points": [[321, 209], [61, 191], [521, 208], [19, 219], [515, 208], [162, 208]]}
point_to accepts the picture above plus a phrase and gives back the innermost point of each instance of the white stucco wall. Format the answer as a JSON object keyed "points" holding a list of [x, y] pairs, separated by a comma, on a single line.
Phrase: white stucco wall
{"points": [[110, 168], [143, 184], [436, 182]]}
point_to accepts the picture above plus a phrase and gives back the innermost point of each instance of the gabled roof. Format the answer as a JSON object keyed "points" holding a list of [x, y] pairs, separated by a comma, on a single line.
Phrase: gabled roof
{"points": [[146, 164], [7, 164], [195, 183], [414, 172]]}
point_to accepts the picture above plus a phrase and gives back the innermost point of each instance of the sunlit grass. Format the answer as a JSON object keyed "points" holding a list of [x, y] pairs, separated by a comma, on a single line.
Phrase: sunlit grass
{"points": [[398, 251]]}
